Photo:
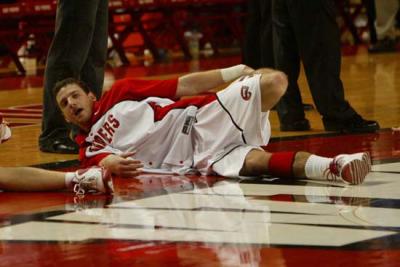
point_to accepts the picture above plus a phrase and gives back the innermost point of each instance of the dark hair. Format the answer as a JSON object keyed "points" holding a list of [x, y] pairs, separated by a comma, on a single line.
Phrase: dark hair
{"points": [[61, 84]]}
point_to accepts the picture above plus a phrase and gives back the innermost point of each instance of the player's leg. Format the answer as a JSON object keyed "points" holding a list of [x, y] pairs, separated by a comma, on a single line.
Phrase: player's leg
{"points": [[35, 179], [31, 179], [273, 85], [350, 169]]}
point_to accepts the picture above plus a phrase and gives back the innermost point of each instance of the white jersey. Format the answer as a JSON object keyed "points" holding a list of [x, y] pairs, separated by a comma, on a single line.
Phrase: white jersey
{"points": [[182, 135]]}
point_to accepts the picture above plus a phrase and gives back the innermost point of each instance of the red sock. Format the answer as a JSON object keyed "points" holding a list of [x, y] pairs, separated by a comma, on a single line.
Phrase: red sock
{"points": [[281, 164]]}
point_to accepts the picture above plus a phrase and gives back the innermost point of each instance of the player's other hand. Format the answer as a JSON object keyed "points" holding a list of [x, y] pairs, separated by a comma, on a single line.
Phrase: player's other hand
{"points": [[122, 165]]}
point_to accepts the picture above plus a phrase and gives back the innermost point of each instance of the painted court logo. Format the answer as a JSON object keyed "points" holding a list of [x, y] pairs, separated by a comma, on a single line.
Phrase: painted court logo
{"points": [[245, 93]]}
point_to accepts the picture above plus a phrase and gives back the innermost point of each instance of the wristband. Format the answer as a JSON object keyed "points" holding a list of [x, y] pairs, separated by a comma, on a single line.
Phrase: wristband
{"points": [[229, 74]]}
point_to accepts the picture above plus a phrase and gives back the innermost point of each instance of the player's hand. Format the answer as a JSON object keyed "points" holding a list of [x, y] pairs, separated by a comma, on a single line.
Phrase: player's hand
{"points": [[122, 165]]}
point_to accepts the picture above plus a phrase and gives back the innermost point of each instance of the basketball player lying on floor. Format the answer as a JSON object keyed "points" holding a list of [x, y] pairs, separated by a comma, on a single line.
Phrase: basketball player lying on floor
{"points": [[141, 124]]}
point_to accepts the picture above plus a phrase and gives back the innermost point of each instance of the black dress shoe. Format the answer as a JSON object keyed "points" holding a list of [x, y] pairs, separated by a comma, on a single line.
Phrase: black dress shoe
{"points": [[355, 124], [301, 125], [60, 146], [383, 46]]}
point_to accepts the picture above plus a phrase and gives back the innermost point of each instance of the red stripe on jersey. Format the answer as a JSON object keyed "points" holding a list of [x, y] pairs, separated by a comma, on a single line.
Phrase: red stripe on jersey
{"points": [[136, 90], [198, 101]]}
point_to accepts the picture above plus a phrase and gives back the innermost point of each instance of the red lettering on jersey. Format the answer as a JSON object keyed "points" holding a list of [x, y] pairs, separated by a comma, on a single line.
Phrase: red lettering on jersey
{"points": [[105, 134], [245, 93], [98, 144], [114, 122], [99, 141], [95, 147], [109, 129]]}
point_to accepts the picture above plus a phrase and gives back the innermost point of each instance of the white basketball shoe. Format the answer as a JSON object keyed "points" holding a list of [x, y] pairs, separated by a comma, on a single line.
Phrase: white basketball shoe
{"points": [[5, 132], [92, 180], [351, 169]]}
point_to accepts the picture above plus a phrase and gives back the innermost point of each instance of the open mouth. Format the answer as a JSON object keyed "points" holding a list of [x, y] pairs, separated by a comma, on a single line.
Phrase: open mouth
{"points": [[78, 111]]}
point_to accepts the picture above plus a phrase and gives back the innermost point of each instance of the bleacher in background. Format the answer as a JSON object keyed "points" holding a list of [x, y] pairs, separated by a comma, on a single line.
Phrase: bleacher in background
{"points": [[135, 25], [158, 26]]}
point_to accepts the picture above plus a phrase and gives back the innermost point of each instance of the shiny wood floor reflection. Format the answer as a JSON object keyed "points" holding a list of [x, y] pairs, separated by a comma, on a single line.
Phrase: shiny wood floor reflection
{"points": [[165, 220]]}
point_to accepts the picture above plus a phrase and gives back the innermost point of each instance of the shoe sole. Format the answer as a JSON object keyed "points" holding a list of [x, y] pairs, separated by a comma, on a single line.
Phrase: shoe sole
{"points": [[356, 170]]}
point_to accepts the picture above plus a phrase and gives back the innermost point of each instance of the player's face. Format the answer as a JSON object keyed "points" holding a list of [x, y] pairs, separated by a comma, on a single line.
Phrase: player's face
{"points": [[76, 105]]}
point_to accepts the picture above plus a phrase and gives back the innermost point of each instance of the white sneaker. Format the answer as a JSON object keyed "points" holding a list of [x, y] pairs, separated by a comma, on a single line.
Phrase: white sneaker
{"points": [[5, 132], [94, 179], [351, 169]]}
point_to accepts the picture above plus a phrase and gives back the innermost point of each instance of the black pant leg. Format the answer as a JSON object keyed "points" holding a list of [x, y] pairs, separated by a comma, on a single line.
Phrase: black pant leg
{"points": [[93, 70], [266, 35], [75, 24], [258, 49], [290, 107], [318, 39], [252, 45], [371, 15]]}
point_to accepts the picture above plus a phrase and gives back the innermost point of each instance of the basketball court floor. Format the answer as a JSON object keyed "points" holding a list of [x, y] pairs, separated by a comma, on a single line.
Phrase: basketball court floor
{"points": [[169, 220]]}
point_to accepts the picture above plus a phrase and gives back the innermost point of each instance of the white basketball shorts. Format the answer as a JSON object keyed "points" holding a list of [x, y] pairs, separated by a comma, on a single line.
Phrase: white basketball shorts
{"points": [[227, 129]]}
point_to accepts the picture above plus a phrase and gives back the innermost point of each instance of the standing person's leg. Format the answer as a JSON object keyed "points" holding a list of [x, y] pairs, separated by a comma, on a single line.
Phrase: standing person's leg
{"points": [[398, 16], [75, 22], [385, 25], [371, 16], [319, 44], [258, 48], [290, 107], [266, 35], [386, 12], [252, 46], [93, 70]]}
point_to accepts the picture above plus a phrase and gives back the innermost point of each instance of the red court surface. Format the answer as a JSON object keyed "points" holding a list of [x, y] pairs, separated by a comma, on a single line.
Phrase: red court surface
{"points": [[167, 220]]}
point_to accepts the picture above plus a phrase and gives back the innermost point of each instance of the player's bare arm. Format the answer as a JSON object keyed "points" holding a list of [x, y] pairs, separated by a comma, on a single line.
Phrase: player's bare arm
{"points": [[122, 165], [199, 82]]}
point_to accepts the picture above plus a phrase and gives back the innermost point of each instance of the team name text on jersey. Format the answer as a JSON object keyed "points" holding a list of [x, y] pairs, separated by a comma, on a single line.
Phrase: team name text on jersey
{"points": [[105, 134]]}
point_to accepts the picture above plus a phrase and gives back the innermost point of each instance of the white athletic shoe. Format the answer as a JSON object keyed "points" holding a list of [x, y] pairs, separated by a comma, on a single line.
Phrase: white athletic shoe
{"points": [[351, 169], [5, 132], [94, 179]]}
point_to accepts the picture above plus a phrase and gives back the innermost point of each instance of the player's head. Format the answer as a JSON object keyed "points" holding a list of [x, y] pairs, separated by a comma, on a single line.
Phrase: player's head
{"points": [[75, 101]]}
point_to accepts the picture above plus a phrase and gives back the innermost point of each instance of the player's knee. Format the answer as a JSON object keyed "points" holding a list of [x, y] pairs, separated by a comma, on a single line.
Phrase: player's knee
{"points": [[275, 83]]}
